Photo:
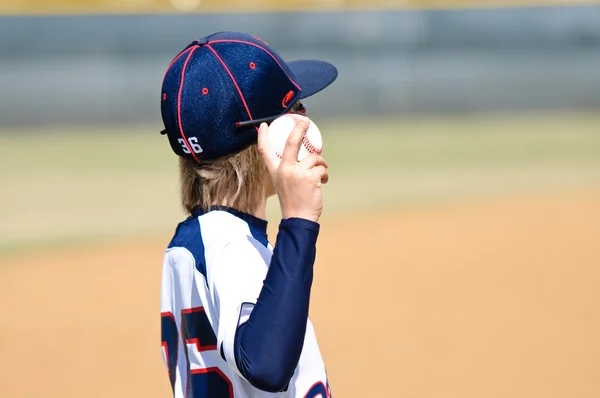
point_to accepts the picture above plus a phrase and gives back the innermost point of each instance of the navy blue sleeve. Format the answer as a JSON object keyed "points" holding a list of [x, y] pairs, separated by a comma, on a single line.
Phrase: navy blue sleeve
{"points": [[268, 346]]}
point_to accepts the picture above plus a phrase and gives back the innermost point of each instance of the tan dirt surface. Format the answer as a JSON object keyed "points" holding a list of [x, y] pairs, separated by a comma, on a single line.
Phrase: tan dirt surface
{"points": [[494, 299]]}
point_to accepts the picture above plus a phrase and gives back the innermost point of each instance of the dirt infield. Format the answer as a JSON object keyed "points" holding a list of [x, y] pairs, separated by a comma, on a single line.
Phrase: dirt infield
{"points": [[494, 299]]}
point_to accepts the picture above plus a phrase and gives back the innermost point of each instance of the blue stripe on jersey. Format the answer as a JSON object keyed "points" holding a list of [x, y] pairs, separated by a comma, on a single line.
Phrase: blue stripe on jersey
{"points": [[188, 235], [262, 238]]}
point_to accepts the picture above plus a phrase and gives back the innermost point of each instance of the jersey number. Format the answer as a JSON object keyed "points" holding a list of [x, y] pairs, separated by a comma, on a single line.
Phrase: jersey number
{"points": [[193, 144], [196, 334]]}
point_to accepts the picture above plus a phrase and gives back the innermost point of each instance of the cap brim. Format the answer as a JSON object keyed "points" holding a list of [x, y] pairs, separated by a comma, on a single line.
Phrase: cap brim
{"points": [[313, 76]]}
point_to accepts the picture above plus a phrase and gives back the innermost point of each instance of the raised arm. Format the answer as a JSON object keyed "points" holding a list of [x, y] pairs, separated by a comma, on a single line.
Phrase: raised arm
{"points": [[267, 346]]}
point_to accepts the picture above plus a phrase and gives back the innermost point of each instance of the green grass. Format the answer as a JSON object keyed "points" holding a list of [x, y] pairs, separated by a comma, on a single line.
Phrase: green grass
{"points": [[93, 183]]}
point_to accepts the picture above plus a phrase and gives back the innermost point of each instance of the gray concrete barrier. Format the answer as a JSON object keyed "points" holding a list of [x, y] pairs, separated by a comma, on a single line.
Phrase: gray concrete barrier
{"points": [[107, 69]]}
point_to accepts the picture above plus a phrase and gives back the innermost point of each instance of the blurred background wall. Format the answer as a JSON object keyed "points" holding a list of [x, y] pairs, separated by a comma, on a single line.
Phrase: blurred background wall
{"points": [[57, 70]]}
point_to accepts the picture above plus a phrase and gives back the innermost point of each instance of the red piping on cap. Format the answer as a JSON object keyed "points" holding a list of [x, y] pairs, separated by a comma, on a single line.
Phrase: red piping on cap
{"points": [[232, 79], [262, 48], [175, 60], [179, 103], [259, 39]]}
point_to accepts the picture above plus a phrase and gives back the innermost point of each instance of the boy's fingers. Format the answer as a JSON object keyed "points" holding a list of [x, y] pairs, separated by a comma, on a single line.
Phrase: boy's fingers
{"points": [[264, 147], [321, 174], [292, 146], [312, 160]]}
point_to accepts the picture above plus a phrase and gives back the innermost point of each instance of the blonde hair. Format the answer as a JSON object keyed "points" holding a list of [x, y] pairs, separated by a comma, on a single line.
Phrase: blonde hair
{"points": [[236, 181]]}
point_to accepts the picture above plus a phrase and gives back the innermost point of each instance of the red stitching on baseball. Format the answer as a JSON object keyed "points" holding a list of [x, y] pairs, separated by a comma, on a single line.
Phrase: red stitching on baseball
{"points": [[309, 145], [305, 140]]}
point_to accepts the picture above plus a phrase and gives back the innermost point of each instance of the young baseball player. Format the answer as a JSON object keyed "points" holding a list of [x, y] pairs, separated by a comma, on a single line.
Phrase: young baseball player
{"points": [[234, 310]]}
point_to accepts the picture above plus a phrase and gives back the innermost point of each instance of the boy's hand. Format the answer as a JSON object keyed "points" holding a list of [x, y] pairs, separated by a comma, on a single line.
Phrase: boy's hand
{"points": [[297, 184]]}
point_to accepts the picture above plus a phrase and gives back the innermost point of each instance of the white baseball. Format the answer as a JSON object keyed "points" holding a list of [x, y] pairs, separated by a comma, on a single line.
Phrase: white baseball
{"points": [[281, 128]]}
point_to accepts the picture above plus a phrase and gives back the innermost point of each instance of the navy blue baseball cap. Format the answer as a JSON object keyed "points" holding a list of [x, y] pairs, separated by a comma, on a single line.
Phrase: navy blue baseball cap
{"points": [[219, 89]]}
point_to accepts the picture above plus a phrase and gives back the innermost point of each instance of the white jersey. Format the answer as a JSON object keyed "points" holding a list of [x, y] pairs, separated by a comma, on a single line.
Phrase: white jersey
{"points": [[213, 272]]}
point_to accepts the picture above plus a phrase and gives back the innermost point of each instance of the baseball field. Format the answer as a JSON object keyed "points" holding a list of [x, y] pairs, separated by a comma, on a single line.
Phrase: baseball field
{"points": [[459, 257]]}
